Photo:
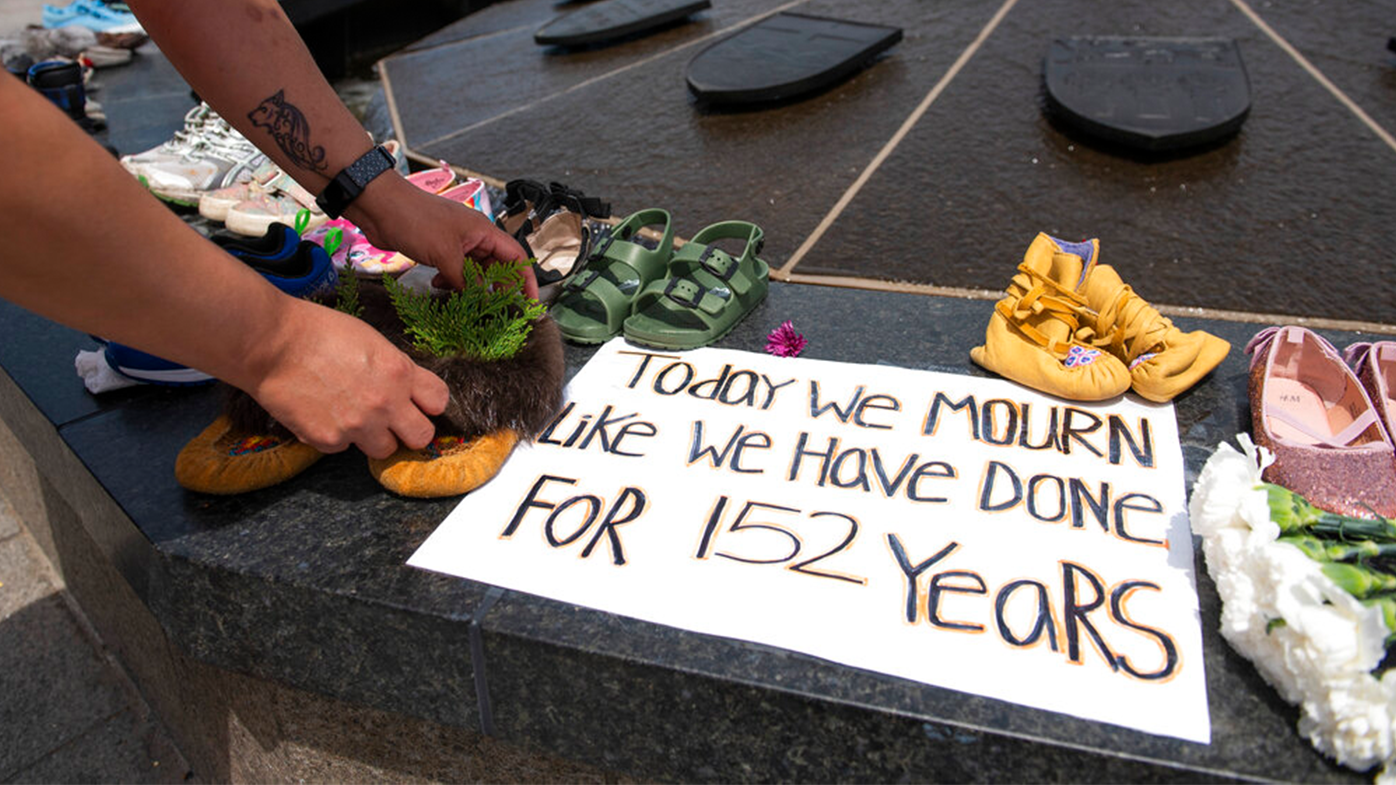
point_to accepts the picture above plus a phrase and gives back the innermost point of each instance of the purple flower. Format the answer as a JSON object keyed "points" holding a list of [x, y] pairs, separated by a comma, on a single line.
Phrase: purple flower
{"points": [[785, 342]]}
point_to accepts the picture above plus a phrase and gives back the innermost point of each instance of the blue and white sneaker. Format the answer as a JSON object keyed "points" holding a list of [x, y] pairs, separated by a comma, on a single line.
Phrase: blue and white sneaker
{"points": [[306, 273], [300, 269], [93, 15], [278, 244], [136, 364]]}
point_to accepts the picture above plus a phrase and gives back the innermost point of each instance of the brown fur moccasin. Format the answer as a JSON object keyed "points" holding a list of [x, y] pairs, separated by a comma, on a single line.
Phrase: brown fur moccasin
{"points": [[493, 405]]}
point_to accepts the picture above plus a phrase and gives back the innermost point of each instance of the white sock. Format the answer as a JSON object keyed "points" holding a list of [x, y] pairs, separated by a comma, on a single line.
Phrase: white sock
{"points": [[97, 375]]}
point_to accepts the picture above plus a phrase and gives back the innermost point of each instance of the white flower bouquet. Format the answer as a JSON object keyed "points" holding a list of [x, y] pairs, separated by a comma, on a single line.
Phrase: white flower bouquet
{"points": [[1308, 597]]}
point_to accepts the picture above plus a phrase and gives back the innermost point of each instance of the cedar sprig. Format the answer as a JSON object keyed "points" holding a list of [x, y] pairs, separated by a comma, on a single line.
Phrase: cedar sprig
{"points": [[490, 319], [347, 291]]}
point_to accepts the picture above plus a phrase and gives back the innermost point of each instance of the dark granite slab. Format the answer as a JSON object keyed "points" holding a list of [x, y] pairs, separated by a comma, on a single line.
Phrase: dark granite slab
{"points": [[1277, 220], [566, 673], [306, 584], [496, 18], [508, 71], [35, 363]]}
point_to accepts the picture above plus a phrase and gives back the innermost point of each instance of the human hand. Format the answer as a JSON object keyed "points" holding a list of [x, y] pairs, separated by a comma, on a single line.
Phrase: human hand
{"points": [[394, 214], [333, 381]]}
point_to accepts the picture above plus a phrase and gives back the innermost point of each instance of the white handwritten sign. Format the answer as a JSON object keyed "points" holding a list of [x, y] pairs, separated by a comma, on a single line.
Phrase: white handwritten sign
{"points": [[962, 532]]}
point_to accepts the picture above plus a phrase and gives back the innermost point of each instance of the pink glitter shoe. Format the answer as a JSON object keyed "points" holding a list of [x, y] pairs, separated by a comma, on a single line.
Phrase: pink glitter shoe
{"points": [[1309, 409], [1375, 366]]}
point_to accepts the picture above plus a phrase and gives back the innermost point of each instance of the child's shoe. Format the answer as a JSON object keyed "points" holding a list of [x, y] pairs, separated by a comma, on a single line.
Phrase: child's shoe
{"points": [[139, 366], [338, 249], [230, 457], [191, 136], [352, 253], [433, 181], [1375, 366], [1313, 415], [208, 155], [299, 269], [92, 15], [214, 205], [246, 449], [492, 406], [1163, 361], [280, 242], [1031, 335], [280, 201], [60, 81]]}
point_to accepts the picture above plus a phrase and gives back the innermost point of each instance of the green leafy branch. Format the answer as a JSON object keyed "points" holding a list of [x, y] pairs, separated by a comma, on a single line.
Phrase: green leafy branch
{"points": [[490, 319]]}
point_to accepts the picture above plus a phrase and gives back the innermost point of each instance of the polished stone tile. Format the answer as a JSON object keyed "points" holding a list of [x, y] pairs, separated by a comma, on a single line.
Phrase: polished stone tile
{"points": [[509, 71], [1347, 42], [1272, 221], [42, 365]]}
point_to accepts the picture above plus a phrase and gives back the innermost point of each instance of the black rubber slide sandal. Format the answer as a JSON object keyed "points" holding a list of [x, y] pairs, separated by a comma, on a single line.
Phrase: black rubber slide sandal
{"points": [[1151, 94], [612, 19], [785, 56]]}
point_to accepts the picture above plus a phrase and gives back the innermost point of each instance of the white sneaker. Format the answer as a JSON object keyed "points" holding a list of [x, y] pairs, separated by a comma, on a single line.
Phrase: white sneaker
{"points": [[214, 205], [208, 154], [173, 148]]}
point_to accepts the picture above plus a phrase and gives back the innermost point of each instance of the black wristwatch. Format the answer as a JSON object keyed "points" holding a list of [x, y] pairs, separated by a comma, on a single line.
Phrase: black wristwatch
{"points": [[350, 182]]}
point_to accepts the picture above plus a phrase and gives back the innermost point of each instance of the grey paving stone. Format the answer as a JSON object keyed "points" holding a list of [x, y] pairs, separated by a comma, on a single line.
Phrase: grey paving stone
{"points": [[124, 748], [22, 575], [54, 686], [9, 522]]}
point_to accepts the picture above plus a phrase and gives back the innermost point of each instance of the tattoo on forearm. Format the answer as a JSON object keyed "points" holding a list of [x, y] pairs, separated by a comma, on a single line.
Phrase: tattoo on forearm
{"points": [[289, 128]]}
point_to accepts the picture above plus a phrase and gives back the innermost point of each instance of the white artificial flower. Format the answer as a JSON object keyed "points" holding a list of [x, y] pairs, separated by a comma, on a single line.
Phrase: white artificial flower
{"points": [[1306, 636], [1227, 493]]}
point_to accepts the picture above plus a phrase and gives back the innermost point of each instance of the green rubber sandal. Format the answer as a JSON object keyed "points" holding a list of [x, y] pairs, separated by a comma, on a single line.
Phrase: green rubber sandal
{"points": [[706, 293], [595, 302]]}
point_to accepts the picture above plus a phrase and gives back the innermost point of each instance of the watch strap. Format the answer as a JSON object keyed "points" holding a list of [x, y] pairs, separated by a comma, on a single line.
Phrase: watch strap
{"points": [[351, 181]]}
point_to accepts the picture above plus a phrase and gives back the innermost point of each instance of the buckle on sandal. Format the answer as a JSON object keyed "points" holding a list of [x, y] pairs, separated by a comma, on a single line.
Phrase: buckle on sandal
{"points": [[692, 300], [600, 242], [676, 288], [722, 273], [581, 280]]}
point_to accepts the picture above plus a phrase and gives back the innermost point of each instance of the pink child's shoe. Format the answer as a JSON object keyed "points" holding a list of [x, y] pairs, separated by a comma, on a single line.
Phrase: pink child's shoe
{"points": [[1375, 366], [433, 181], [1309, 409]]}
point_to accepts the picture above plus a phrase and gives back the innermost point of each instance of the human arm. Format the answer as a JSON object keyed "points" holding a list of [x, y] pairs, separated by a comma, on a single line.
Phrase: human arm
{"points": [[247, 60], [86, 246]]}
